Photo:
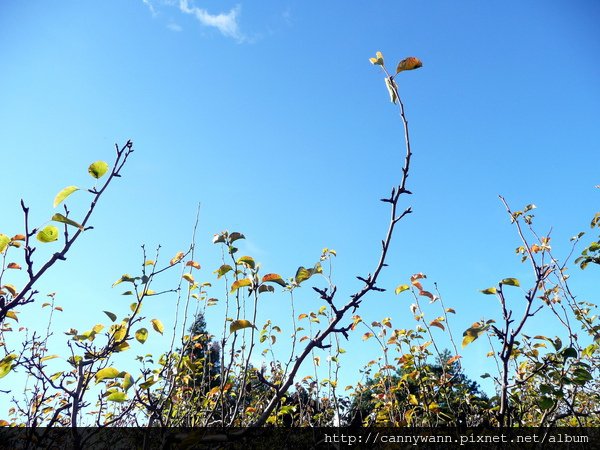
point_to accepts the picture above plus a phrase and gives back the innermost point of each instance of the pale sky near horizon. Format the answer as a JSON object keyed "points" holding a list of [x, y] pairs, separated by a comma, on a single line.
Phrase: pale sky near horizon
{"points": [[270, 115]]}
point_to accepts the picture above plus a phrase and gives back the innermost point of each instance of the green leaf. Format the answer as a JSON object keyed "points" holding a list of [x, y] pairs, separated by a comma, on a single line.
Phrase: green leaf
{"points": [[511, 282], [4, 241], [64, 194], [111, 316], [545, 403], [581, 376], [106, 373], [402, 288], [49, 357], [239, 325], [489, 291], [48, 234], [157, 325], [98, 169], [141, 335], [117, 396], [274, 278], [63, 219], [569, 353], [240, 283]]}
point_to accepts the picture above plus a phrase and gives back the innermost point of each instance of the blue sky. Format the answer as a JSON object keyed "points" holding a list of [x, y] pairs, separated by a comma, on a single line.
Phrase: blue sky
{"points": [[270, 115]]}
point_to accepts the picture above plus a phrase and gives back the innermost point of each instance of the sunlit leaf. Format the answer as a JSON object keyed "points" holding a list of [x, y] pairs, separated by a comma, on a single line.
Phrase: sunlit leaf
{"points": [[188, 277], [48, 234], [12, 315], [302, 274], [10, 288], [117, 396], [64, 194], [274, 278], [157, 325], [49, 357], [240, 283], [247, 261], [489, 291], [453, 359], [98, 169], [4, 241], [149, 262], [378, 60], [13, 265], [473, 333], [409, 63], [223, 270], [63, 219], [141, 335], [127, 381], [124, 278], [106, 373], [178, 257], [438, 324], [402, 288], [367, 336], [239, 325], [511, 282], [193, 264]]}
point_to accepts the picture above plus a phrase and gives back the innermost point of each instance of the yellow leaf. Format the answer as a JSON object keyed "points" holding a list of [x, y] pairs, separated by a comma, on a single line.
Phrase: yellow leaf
{"points": [[401, 288], [64, 193], [178, 257], [378, 60], [239, 325], [4, 241], [157, 325], [106, 373], [188, 277], [409, 63], [98, 169], [240, 283], [48, 234]]}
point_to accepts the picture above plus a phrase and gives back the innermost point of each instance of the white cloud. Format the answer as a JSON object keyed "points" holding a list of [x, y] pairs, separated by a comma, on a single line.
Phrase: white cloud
{"points": [[150, 7], [227, 23], [174, 27]]}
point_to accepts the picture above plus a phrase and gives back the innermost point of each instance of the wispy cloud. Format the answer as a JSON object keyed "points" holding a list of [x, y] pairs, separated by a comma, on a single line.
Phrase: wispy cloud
{"points": [[226, 23], [150, 7], [174, 27]]}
